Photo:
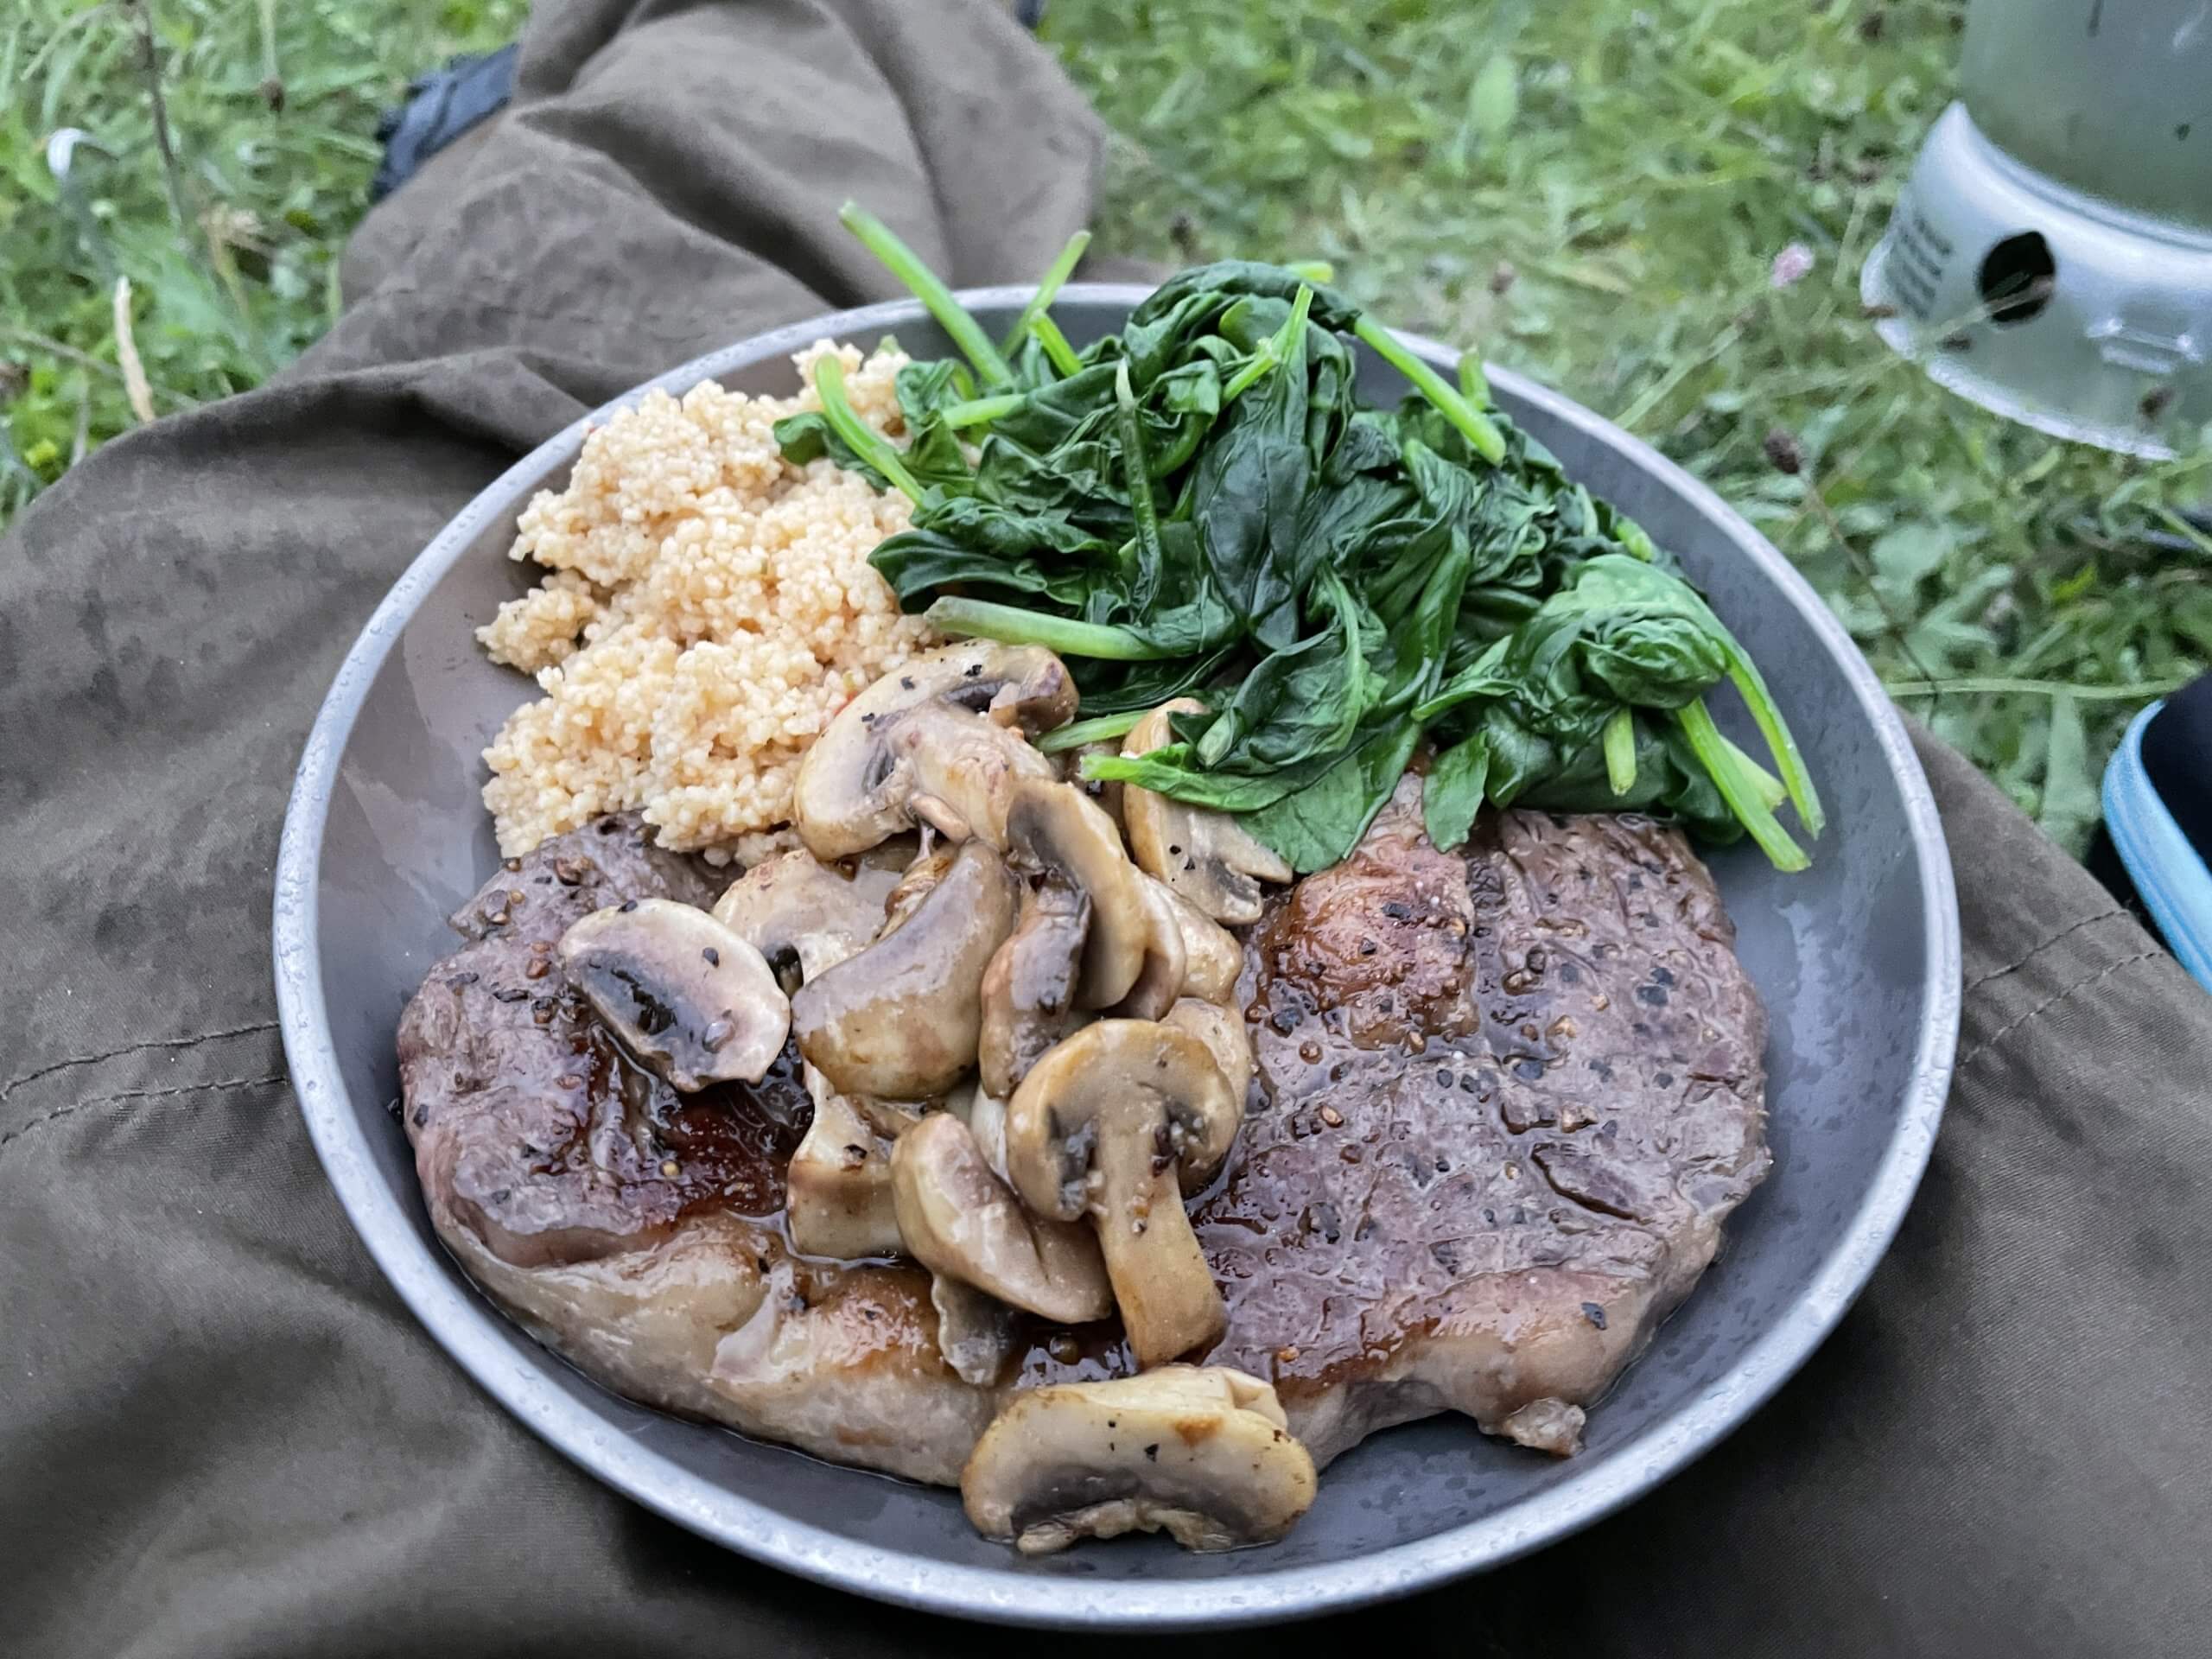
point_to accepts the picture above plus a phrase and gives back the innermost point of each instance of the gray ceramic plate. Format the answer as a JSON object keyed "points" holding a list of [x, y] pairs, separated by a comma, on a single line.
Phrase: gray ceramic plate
{"points": [[1858, 961]]}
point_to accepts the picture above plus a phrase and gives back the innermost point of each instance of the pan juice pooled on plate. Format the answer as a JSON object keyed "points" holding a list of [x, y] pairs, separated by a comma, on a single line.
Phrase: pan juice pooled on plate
{"points": [[1139, 1068]]}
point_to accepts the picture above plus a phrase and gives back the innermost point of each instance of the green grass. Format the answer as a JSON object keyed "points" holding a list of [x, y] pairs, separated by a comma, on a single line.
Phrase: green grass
{"points": [[245, 277], [1593, 193]]}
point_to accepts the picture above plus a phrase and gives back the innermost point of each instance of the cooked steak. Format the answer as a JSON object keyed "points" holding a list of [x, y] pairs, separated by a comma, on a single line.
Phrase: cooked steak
{"points": [[1505, 1099], [634, 1229]]}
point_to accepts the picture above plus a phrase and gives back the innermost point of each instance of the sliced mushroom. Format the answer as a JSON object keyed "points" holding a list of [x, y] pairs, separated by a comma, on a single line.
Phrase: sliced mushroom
{"points": [[1056, 828], [688, 997], [889, 1118], [976, 1331], [962, 770], [899, 1021], [1116, 1122], [805, 917], [1160, 982], [837, 1193], [1029, 989], [1204, 855], [927, 869], [961, 1221], [985, 1115], [855, 787], [1226, 1036], [1204, 1454], [1211, 956], [1108, 795]]}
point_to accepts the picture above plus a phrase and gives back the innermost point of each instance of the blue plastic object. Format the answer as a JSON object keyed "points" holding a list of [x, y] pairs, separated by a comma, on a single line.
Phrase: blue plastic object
{"points": [[2169, 875]]}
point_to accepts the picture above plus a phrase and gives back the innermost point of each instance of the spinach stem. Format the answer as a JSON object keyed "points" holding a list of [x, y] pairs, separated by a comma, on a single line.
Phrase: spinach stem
{"points": [[1136, 469], [906, 265], [1740, 792], [1048, 287], [1480, 430], [1633, 536], [1744, 674], [1620, 751], [1241, 382], [1290, 340], [1312, 270], [1056, 346], [1274, 351], [1090, 731], [980, 411], [1769, 785], [1474, 385], [1011, 624], [863, 440]]}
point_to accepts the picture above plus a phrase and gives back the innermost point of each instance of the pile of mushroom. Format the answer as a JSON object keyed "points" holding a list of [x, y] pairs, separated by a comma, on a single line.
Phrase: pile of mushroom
{"points": [[1022, 1046]]}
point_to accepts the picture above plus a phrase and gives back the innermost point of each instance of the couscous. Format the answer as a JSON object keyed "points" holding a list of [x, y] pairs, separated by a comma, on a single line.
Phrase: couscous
{"points": [[706, 607]]}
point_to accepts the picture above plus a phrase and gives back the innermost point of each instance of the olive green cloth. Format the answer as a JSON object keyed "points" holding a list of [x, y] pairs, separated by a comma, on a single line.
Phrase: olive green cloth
{"points": [[221, 1435]]}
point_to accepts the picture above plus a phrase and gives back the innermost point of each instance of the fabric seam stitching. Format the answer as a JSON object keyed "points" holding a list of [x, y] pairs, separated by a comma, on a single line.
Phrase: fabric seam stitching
{"points": [[2063, 933], [132, 1048], [2081, 984], [139, 1094]]}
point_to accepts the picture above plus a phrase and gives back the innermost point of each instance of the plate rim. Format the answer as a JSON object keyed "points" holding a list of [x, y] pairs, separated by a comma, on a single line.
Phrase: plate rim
{"points": [[462, 1320]]}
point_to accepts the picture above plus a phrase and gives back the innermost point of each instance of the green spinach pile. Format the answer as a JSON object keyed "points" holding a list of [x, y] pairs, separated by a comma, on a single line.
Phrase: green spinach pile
{"points": [[1200, 506]]}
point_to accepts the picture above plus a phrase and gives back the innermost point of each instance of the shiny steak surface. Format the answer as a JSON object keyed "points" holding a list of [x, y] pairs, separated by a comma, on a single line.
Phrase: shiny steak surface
{"points": [[638, 1231], [1505, 1099]]}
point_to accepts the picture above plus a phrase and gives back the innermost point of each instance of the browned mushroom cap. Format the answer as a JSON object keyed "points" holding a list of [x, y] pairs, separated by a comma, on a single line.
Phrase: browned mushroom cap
{"points": [[1112, 1123], [690, 998], [958, 1219], [901, 1020], [1211, 956], [1204, 1454], [1054, 827], [1204, 855], [856, 786], [805, 917], [1029, 989], [1160, 982]]}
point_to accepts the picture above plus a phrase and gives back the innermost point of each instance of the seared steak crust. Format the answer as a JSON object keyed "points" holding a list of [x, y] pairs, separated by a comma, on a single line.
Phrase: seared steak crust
{"points": [[638, 1231], [1505, 1098]]}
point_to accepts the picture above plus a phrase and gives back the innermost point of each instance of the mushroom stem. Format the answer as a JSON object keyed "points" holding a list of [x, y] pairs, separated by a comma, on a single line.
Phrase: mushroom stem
{"points": [[1113, 1122], [1170, 1304]]}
